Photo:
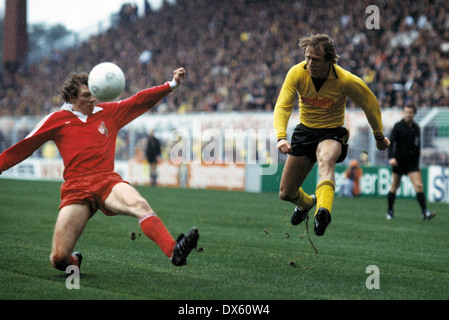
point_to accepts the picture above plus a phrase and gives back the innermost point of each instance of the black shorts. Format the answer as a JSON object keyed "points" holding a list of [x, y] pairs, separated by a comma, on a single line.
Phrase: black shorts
{"points": [[305, 141], [405, 167]]}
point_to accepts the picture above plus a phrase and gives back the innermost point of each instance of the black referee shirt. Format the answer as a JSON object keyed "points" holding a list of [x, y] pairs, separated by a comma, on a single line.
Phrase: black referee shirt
{"points": [[405, 142]]}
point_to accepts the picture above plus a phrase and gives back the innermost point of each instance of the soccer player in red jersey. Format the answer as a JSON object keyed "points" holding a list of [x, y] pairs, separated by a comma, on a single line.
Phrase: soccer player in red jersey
{"points": [[85, 134]]}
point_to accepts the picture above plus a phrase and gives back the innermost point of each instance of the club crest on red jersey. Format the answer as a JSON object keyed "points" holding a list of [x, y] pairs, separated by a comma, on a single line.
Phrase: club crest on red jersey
{"points": [[102, 129]]}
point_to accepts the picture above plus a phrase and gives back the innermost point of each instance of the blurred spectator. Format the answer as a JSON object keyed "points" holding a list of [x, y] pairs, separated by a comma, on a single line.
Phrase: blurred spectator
{"points": [[351, 184], [49, 150], [153, 155]]}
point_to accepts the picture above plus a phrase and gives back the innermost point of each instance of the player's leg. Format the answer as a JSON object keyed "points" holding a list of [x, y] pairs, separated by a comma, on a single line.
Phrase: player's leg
{"points": [[416, 179], [124, 199], [296, 170], [68, 228], [328, 152], [153, 173], [391, 198]]}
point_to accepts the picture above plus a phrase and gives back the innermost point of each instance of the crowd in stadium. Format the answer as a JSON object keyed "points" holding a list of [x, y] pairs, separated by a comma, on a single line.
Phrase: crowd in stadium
{"points": [[237, 53]]}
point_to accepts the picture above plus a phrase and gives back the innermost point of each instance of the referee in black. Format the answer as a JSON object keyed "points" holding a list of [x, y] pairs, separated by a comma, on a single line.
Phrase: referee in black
{"points": [[404, 154]]}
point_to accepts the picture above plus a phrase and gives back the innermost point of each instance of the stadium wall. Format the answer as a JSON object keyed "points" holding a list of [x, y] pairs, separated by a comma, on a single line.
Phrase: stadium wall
{"points": [[237, 151], [198, 176], [375, 180]]}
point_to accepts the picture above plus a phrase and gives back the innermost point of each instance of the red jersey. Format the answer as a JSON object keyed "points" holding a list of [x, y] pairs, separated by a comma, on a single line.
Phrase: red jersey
{"points": [[86, 143]]}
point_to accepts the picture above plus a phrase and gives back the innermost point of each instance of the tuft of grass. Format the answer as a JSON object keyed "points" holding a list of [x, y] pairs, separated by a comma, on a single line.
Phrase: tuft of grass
{"points": [[248, 250]]}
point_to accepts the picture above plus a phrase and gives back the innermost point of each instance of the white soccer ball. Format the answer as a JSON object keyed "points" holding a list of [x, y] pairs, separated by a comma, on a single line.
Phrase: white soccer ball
{"points": [[106, 81]]}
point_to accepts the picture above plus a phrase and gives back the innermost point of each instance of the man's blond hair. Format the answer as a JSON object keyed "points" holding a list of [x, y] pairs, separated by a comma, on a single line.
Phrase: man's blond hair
{"points": [[320, 40]]}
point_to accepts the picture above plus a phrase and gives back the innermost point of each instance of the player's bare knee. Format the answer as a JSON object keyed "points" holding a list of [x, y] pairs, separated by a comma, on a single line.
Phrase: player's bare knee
{"points": [[325, 161], [59, 261], [326, 167], [141, 205], [285, 196]]}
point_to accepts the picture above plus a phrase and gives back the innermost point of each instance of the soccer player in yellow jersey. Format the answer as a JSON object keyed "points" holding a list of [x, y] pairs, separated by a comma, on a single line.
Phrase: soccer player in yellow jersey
{"points": [[322, 87]]}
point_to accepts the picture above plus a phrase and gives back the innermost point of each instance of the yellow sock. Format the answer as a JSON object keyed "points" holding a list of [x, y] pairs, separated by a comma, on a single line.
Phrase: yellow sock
{"points": [[325, 191], [304, 201]]}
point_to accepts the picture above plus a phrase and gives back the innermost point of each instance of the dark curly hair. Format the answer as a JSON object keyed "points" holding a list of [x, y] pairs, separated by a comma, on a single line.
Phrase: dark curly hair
{"points": [[71, 85]]}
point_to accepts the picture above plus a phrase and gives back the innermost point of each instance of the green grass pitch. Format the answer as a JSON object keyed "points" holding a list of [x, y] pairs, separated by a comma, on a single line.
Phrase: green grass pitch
{"points": [[248, 250]]}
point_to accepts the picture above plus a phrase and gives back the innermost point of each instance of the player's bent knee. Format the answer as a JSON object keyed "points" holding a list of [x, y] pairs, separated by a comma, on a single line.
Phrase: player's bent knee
{"points": [[285, 196], [139, 207], [58, 261], [142, 204]]}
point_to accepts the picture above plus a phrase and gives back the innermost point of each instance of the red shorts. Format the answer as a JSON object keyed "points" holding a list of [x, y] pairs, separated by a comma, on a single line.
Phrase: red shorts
{"points": [[91, 189]]}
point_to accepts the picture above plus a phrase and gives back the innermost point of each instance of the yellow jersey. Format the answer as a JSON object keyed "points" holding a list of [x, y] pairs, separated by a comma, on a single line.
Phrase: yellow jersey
{"points": [[325, 108]]}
